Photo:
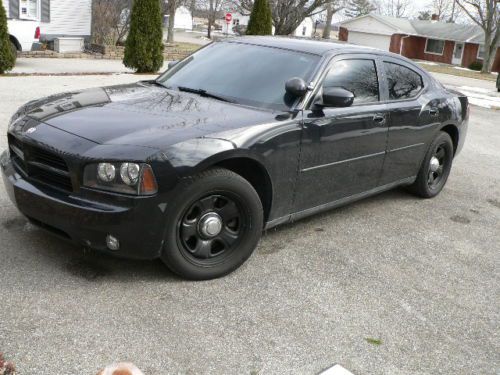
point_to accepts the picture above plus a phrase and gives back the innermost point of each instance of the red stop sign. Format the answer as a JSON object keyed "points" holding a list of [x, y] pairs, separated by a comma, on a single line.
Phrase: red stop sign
{"points": [[229, 17]]}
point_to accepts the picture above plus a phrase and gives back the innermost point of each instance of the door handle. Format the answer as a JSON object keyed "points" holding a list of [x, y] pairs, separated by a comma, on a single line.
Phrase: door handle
{"points": [[433, 111], [379, 119]]}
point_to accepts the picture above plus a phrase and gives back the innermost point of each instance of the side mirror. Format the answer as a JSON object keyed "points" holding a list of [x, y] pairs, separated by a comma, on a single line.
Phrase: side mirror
{"points": [[337, 97], [296, 87], [171, 64]]}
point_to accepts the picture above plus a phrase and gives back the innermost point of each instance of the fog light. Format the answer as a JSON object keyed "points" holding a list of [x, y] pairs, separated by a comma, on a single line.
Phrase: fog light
{"points": [[112, 242]]}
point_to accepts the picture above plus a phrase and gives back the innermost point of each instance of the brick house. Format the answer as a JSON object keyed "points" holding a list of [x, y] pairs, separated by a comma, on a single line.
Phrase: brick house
{"points": [[447, 43]]}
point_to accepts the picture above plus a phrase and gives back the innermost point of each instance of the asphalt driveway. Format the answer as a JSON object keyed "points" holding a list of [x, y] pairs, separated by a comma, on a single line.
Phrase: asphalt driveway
{"points": [[390, 285]]}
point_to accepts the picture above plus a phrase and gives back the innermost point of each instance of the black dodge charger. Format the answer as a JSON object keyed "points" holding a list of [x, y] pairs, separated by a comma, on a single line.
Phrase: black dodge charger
{"points": [[241, 136]]}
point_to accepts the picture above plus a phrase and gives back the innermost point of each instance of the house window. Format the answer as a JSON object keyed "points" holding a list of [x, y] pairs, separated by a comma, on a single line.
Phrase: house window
{"points": [[480, 52], [29, 9], [434, 46]]}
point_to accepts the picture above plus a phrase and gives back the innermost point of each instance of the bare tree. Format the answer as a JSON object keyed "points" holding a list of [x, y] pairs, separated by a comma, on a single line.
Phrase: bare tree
{"points": [[393, 8], [332, 7], [486, 14], [171, 8], [442, 8], [289, 14], [110, 21]]}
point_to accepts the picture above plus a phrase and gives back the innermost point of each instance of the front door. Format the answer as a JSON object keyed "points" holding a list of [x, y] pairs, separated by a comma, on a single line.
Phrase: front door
{"points": [[457, 54], [342, 150]]}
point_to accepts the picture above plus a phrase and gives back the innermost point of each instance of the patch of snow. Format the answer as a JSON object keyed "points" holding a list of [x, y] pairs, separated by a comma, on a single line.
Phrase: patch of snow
{"points": [[427, 63], [482, 100], [467, 69], [475, 89]]}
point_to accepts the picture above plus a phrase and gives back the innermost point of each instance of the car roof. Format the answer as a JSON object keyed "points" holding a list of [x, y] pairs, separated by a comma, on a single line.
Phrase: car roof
{"points": [[313, 46]]}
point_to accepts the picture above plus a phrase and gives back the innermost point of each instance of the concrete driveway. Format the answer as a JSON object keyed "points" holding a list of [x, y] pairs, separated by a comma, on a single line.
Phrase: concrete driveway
{"points": [[390, 285]]}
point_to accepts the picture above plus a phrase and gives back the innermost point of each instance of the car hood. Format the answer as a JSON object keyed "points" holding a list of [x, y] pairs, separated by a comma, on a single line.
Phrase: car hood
{"points": [[141, 114]]}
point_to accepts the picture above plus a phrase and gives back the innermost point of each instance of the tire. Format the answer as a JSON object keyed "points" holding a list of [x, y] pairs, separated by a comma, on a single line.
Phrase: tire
{"points": [[430, 181], [212, 201]]}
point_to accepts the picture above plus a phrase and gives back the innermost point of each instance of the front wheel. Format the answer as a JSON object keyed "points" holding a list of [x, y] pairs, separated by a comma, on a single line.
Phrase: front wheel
{"points": [[435, 168], [213, 226]]}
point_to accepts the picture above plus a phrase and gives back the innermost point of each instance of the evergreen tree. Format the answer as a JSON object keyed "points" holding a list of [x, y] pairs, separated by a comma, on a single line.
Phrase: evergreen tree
{"points": [[144, 45], [7, 53], [356, 8], [261, 22]]}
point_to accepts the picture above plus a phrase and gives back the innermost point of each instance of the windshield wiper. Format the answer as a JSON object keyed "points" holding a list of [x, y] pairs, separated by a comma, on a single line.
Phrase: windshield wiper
{"points": [[205, 93]]}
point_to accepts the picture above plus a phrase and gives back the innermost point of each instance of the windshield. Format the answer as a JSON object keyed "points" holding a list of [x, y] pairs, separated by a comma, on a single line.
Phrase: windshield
{"points": [[242, 73]]}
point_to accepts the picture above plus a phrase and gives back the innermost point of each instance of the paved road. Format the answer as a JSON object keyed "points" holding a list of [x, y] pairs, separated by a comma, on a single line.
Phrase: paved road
{"points": [[422, 276]]}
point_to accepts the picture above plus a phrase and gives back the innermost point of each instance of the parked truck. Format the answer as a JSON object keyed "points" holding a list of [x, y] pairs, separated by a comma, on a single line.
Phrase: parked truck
{"points": [[24, 34]]}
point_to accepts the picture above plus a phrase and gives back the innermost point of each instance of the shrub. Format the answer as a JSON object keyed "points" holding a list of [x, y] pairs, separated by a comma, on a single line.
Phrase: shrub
{"points": [[7, 54], [144, 45], [476, 65], [260, 22]]}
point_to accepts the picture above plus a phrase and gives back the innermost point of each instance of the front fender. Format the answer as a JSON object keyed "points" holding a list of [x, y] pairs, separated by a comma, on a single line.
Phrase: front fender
{"points": [[196, 155]]}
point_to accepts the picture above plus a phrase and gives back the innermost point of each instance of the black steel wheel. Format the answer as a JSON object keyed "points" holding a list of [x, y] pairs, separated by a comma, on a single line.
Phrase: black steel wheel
{"points": [[435, 168], [213, 225]]}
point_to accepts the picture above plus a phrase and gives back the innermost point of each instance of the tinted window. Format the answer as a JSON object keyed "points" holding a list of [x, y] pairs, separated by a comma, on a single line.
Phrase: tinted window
{"points": [[357, 76], [246, 74], [403, 82]]}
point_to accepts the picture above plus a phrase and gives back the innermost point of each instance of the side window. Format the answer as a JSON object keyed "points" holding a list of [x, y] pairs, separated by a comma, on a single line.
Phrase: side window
{"points": [[403, 83], [357, 76]]}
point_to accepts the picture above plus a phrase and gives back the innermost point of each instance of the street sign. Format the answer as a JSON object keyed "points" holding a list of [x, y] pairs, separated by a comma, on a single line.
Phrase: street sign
{"points": [[229, 17]]}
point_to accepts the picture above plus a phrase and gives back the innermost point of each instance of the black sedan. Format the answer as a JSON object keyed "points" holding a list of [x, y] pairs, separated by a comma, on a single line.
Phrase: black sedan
{"points": [[241, 136]]}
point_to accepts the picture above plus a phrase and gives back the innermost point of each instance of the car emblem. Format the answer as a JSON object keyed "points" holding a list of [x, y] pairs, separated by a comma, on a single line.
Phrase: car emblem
{"points": [[30, 130]]}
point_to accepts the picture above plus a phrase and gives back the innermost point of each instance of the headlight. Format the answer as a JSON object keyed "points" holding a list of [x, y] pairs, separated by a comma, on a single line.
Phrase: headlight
{"points": [[106, 172], [128, 178]]}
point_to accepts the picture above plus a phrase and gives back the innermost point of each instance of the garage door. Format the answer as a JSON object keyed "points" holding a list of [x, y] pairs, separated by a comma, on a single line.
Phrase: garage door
{"points": [[370, 40]]}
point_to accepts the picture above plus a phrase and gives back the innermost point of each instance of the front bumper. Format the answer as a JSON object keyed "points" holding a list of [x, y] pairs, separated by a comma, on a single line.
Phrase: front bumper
{"points": [[137, 222]]}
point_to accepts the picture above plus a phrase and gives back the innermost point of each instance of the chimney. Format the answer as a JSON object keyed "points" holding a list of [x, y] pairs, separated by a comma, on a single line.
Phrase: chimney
{"points": [[434, 17]]}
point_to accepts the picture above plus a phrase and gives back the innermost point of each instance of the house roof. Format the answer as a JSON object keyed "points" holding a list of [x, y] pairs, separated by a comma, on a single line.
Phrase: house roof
{"points": [[430, 29]]}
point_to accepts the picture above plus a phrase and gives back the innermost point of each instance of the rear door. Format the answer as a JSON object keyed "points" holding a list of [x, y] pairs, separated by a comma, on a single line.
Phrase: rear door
{"points": [[414, 116], [343, 149]]}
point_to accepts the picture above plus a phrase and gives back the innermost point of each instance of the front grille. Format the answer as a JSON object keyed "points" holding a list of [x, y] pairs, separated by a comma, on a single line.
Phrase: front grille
{"points": [[40, 164]]}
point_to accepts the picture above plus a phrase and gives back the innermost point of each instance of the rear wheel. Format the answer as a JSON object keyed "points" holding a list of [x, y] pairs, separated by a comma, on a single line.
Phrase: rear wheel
{"points": [[213, 226], [435, 168]]}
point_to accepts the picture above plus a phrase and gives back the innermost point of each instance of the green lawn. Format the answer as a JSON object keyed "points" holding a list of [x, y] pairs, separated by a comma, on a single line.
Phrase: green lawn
{"points": [[450, 69]]}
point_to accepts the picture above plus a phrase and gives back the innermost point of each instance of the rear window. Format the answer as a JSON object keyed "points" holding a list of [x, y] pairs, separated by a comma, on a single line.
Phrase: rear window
{"points": [[403, 83]]}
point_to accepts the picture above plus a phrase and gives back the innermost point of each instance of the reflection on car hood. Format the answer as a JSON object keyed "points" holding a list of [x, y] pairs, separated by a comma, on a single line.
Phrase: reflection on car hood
{"points": [[141, 114]]}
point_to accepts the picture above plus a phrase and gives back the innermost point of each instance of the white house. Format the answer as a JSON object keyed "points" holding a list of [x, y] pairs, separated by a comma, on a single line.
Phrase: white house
{"points": [[56, 18], [305, 29], [183, 19], [237, 19]]}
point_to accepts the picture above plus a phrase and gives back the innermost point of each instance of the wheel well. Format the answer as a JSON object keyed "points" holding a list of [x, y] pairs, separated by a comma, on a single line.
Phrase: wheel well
{"points": [[256, 175], [453, 133], [15, 42]]}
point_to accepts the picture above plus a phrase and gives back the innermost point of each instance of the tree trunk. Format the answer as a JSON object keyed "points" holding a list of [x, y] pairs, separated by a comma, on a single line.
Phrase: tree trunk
{"points": [[192, 9], [328, 26], [172, 5], [210, 19], [487, 53], [452, 15]]}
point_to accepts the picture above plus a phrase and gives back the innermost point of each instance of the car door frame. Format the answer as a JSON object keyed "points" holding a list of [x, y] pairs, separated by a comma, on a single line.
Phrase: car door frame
{"points": [[309, 102], [421, 132]]}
